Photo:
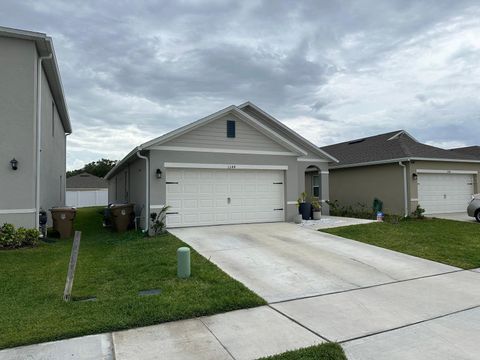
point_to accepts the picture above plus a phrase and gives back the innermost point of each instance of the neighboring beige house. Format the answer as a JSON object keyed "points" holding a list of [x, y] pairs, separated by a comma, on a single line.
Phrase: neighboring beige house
{"points": [[34, 123], [85, 190], [238, 165], [403, 173]]}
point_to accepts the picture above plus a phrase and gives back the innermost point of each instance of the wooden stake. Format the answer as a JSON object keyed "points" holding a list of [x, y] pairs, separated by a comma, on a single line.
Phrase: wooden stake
{"points": [[71, 267]]}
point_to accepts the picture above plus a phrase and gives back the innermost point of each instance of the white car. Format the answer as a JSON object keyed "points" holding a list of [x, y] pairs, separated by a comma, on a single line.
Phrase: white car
{"points": [[473, 208]]}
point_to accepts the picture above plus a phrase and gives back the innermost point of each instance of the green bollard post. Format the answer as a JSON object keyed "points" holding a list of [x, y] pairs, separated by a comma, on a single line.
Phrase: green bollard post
{"points": [[183, 262]]}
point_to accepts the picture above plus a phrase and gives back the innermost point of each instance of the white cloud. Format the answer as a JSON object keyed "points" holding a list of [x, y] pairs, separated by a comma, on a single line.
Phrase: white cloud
{"points": [[331, 70]]}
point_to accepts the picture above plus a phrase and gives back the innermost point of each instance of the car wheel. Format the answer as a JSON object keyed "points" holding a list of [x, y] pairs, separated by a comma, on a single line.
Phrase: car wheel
{"points": [[477, 215]]}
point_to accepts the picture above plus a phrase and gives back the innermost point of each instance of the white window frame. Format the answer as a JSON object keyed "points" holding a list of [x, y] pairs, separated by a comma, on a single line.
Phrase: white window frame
{"points": [[315, 186]]}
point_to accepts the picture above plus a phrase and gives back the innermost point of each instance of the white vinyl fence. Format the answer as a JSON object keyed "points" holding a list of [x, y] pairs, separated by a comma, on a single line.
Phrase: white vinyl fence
{"points": [[84, 198]]}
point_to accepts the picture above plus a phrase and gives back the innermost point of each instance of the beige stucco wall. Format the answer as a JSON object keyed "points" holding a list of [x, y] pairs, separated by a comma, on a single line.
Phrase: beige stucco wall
{"points": [[351, 186]]}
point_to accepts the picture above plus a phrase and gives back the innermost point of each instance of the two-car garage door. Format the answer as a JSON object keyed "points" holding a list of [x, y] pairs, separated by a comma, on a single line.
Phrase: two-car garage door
{"points": [[444, 192], [224, 196]]}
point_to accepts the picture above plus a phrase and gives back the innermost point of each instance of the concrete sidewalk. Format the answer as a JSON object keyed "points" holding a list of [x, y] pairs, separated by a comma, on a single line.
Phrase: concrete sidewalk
{"points": [[243, 335], [434, 317]]}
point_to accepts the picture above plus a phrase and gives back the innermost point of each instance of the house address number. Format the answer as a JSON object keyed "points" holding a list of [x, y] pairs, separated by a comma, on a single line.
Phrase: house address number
{"points": [[231, 166]]}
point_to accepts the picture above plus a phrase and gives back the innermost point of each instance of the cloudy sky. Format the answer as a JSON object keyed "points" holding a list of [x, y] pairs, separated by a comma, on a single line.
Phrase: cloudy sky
{"points": [[331, 70]]}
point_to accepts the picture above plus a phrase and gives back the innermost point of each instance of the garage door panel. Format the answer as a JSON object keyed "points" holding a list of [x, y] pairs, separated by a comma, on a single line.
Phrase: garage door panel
{"points": [[236, 188], [175, 204], [250, 188], [203, 196], [190, 204], [205, 203], [205, 188], [174, 219], [443, 193], [190, 189], [174, 188]]}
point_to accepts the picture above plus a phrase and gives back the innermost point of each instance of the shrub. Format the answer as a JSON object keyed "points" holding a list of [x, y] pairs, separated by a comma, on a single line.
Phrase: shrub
{"points": [[7, 236], [418, 212], [11, 238], [360, 211]]}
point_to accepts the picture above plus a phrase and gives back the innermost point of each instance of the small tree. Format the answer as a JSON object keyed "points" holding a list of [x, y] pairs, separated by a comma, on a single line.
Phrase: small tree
{"points": [[98, 168]]}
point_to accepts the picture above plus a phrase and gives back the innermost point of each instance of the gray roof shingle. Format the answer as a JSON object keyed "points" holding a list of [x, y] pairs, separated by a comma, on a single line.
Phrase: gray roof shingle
{"points": [[389, 146], [469, 150], [86, 181]]}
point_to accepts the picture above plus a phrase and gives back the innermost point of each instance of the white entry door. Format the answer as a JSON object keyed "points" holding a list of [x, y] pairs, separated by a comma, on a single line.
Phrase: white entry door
{"points": [[224, 196], [444, 193]]}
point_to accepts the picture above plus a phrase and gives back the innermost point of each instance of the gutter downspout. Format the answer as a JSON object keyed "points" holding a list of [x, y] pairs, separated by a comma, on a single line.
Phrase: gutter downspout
{"points": [[39, 135], [65, 177], [405, 195], [147, 191]]}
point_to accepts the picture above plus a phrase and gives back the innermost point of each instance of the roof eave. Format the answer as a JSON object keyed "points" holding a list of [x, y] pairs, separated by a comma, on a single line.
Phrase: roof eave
{"points": [[119, 164], [390, 161], [53, 75]]}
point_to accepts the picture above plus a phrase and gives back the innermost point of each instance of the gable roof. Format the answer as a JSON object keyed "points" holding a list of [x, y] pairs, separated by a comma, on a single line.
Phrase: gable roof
{"points": [[86, 181], [390, 147], [44, 46], [469, 150], [279, 125], [281, 137], [228, 110]]}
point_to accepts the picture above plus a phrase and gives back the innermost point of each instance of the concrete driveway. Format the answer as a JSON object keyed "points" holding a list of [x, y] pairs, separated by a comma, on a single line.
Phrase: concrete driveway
{"points": [[283, 261], [377, 303], [460, 216]]}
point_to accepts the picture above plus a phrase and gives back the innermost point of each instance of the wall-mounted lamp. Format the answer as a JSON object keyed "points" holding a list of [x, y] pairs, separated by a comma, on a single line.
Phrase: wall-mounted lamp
{"points": [[159, 173], [14, 164], [414, 176]]}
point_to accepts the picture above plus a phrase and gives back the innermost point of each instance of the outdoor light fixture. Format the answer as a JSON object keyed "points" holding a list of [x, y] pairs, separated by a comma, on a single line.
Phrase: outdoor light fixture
{"points": [[14, 164], [159, 173], [414, 176]]}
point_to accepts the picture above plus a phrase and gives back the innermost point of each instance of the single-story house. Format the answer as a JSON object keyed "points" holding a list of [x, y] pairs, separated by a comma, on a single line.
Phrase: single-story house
{"points": [[34, 125], [403, 173], [238, 165], [85, 189]]}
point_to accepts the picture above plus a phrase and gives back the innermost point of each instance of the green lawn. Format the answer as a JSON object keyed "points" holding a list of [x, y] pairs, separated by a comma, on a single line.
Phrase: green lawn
{"points": [[113, 267], [327, 351], [450, 242]]}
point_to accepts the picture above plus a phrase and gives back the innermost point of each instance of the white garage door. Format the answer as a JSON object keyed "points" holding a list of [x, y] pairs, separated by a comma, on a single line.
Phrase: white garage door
{"points": [[218, 196], [444, 193]]}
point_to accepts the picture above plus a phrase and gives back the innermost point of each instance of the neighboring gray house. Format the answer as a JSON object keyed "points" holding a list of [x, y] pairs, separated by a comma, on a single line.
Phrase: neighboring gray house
{"points": [[238, 165], [86, 190], [402, 172], [34, 124]]}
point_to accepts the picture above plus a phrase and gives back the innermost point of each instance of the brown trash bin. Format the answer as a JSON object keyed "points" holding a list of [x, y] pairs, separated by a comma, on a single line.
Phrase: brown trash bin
{"points": [[121, 216], [63, 220]]}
